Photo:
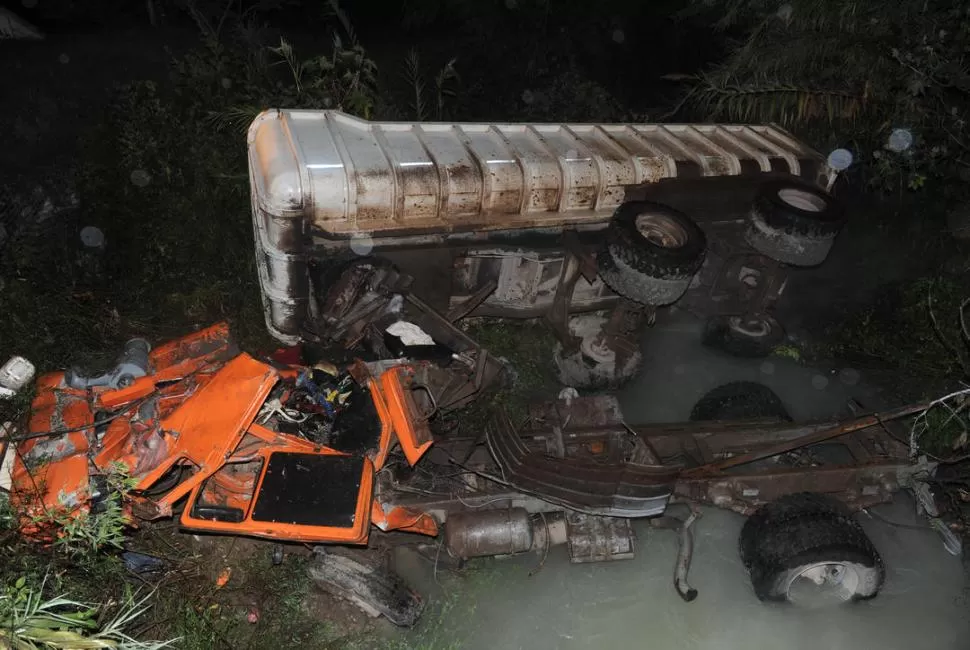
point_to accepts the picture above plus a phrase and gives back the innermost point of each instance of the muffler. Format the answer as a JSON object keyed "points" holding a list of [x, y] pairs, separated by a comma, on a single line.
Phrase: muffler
{"points": [[502, 532]]}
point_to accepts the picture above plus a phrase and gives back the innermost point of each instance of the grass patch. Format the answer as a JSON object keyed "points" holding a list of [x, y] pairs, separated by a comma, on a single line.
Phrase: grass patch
{"points": [[527, 347], [261, 606], [913, 327]]}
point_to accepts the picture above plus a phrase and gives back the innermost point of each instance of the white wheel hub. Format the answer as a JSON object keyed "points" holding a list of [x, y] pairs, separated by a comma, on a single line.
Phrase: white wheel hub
{"points": [[802, 200], [749, 328], [826, 583]]}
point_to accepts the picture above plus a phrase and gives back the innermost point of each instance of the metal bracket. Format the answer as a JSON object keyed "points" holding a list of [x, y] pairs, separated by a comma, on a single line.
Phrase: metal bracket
{"points": [[572, 245], [468, 305], [558, 314], [747, 283], [623, 324]]}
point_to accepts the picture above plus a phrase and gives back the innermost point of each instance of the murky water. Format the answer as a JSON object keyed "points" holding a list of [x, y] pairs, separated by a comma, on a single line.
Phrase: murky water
{"points": [[513, 603]]}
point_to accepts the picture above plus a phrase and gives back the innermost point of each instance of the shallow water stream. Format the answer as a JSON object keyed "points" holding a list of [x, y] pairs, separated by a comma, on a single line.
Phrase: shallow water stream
{"points": [[632, 604]]}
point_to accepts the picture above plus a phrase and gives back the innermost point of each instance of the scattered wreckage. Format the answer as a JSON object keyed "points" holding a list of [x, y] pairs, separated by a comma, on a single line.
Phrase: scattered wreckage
{"points": [[323, 454], [372, 242]]}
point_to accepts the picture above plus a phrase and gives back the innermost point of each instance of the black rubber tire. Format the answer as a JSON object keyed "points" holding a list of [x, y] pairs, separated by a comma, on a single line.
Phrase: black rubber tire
{"points": [[780, 512], [804, 542], [798, 531], [740, 400], [719, 334], [788, 233], [783, 215], [646, 271]]}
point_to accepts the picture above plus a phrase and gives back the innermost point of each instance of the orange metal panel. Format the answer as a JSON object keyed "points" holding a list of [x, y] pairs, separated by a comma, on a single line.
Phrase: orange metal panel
{"points": [[51, 473], [46, 489], [141, 387], [235, 492], [403, 519], [196, 409], [209, 425], [410, 426], [212, 341], [188, 356], [380, 405]]}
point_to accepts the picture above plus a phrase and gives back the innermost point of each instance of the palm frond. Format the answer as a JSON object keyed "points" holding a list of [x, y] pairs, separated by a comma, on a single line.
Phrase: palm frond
{"points": [[28, 621], [442, 82], [234, 117], [344, 21], [288, 56], [768, 99], [412, 73]]}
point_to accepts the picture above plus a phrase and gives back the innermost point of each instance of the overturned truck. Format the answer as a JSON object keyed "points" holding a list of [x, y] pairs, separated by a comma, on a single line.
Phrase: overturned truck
{"points": [[590, 227]]}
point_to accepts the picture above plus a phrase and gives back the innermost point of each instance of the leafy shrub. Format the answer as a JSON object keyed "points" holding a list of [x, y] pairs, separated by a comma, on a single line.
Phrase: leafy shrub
{"points": [[166, 177], [568, 95], [91, 531], [863, 74], [913, 327]]}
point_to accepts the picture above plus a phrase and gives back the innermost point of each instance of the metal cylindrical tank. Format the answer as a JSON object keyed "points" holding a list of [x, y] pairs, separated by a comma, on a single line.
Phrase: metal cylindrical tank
{"points": [[494, 532]]}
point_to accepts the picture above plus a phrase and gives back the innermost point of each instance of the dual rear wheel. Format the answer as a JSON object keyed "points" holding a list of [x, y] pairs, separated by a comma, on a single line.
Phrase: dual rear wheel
{"points": [[651, 251]]}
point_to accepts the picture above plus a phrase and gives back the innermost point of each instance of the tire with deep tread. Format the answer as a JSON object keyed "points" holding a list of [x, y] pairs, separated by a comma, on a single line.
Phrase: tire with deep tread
{"points": [[640, 268], [801, 530], [790, 507], [739, 400], [793, 222]]}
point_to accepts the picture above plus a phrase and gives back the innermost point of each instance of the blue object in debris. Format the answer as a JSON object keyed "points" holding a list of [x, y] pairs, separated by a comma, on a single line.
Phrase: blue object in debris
{"points": [[305, 382], [142, 563]]}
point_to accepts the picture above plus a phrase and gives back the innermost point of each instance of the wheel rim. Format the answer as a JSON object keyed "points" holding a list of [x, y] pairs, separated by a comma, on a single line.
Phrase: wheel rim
{"points": [[661, 230], [755, 328], [823, 583], [803, 200], [598, 348]]}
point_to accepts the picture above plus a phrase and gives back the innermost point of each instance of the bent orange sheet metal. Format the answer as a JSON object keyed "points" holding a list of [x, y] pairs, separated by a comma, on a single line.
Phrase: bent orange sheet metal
{"points": [[187, 432]]}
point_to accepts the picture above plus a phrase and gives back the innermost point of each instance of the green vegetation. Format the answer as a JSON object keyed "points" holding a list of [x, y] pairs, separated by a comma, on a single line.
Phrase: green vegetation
{"points": [[852, 74], [182, 601], [262, 606], [83, 534], [788, 352], [913, 327], [50, 599], [528, 349], [943, 431], [164, 176], [917, 332], [890, 83], [29, 621]]}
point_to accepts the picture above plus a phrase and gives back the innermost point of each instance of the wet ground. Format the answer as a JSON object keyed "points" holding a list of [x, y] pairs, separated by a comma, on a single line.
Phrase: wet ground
{"points": [[513, 603]]}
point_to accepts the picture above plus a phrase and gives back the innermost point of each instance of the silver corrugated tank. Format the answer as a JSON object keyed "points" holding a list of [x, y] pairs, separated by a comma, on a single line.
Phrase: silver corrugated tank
{"points": [[321, 178]]}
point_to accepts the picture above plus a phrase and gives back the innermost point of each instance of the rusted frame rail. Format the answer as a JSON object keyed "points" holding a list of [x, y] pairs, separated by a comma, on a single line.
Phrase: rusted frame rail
{"points": [[729, 458]]}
